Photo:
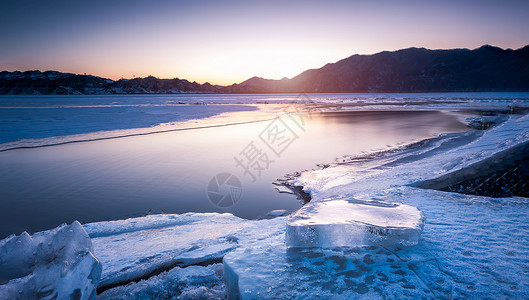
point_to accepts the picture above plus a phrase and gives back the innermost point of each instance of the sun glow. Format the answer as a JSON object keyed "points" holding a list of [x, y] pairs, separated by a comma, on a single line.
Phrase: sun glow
{"points": [[225, 42], [267, 62]]}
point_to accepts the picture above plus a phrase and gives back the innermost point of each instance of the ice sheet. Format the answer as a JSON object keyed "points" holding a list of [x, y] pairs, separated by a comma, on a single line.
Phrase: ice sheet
{"points": [[140, 247], [49, 125]]}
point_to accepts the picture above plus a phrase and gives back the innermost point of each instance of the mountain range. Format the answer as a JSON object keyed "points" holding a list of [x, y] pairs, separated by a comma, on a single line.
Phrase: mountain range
{"points": [[487, 68]]}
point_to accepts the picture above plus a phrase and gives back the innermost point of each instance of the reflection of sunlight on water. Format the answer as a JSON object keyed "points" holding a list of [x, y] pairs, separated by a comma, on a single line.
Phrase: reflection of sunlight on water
{"points": [[169, 172]]}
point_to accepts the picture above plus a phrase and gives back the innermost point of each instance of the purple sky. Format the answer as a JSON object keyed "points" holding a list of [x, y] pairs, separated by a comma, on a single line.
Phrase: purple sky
{"points": [[229, 41]]}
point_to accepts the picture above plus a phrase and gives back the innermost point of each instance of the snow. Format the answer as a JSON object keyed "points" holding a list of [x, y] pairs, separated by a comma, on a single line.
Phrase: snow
{"points": [[54, 264], [346, 223]]}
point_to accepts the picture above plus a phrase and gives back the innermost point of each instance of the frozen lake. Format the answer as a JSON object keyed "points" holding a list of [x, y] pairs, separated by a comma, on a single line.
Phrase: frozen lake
{"points": [[387, 237], [169, 172]]}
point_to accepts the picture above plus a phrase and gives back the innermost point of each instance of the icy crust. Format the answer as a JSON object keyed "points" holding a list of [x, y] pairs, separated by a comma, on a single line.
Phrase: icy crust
{"points": [[194, 282], [54, 264], [447, 154], [469, 250], [346, 223], [269, 270], [108, 228], [139, 248]]}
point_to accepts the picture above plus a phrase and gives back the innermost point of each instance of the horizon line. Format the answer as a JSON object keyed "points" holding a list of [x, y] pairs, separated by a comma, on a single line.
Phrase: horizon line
{"points": [[256, 76]]}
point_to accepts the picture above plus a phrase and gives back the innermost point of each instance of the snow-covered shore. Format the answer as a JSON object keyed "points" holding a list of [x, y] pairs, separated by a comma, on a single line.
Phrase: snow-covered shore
{"points": [[471, 246]]}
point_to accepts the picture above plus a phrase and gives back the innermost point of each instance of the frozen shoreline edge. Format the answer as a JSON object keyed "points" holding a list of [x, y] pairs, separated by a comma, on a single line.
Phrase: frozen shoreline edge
{"points": [[505, 146]]}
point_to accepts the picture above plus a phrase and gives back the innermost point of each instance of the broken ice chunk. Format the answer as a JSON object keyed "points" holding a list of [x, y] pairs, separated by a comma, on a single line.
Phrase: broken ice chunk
{"points": [[283, 189], [53, 264], [277, 213], [157, 243], [337, 223]]}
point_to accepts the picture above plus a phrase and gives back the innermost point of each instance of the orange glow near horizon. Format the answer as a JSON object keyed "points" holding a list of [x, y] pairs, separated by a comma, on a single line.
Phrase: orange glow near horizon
{"points": [[229, 42]]}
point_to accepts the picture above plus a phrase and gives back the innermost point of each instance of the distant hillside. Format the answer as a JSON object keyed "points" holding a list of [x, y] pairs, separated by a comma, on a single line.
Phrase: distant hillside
{"points": [[50, 82], [56, 83], [409, 70], [487, 68]]}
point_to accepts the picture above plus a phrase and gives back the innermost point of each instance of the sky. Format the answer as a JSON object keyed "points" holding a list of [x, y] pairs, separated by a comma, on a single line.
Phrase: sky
{"points": [[229, 41]]}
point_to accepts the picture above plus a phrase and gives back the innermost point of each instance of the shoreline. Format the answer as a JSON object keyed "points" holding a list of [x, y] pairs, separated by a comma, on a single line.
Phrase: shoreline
{"points": [[96, 152], [234, 236]]}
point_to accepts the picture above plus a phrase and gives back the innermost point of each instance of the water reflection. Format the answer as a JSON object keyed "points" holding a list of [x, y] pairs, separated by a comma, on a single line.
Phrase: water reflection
{"points": [[169, 172]]}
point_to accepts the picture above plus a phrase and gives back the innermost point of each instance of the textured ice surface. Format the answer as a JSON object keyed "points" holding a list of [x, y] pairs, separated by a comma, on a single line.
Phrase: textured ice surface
{"points": [[424, 161], [272, 271], [140, 247], [471, 247], [350, 222], [54, 264], [194, 282]]}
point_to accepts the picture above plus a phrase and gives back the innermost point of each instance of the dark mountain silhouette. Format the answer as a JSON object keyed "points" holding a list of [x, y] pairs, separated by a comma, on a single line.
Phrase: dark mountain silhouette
{"points": [[50, 82], [487, 68], [152, 84], [56, 83]]}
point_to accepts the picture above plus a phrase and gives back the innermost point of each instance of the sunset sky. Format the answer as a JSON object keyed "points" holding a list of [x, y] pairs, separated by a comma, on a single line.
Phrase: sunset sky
{"points": [[224, 42]]}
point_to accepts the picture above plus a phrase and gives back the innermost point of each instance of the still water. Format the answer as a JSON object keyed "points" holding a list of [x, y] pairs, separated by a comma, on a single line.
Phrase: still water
{"points": [[170, 172]]}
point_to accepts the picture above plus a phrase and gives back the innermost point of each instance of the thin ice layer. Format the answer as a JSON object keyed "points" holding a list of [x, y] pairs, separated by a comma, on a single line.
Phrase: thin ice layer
{"points": [[269, 270]]}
